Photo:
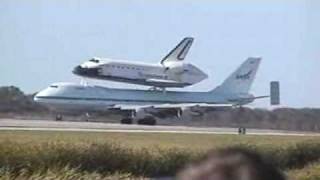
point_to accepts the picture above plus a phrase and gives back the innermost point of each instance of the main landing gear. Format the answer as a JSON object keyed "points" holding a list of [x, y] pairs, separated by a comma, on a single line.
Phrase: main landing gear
{"points": [[59, 117], [145, 119]]}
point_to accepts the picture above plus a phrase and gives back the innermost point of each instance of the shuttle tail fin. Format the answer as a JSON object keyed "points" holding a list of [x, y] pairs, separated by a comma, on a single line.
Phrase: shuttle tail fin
{"points": [[180, 51], [240, 81]]}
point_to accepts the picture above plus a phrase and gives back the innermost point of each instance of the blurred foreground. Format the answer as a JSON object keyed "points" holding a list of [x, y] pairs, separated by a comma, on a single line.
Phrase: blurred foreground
{"points": [[74, 155]]}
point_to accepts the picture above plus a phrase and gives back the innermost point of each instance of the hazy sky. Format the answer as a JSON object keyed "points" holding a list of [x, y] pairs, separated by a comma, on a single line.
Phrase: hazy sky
{"points": [[41, 41]]}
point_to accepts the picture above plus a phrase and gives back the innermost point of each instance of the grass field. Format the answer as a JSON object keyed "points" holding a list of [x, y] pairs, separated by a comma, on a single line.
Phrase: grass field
{"points": [[153, 140], [71, 155]]}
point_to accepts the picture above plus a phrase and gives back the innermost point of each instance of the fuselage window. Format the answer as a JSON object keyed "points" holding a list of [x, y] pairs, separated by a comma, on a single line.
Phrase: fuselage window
{"points": [[54, 86]]}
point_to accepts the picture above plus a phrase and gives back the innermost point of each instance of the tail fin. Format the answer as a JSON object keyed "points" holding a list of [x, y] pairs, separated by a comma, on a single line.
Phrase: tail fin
{"points": [[274, 93], [240, 81], [180, 51]]}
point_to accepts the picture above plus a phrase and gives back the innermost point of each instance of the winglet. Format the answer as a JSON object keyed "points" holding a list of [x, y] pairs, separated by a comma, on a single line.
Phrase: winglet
{"points": [[180, 51]]}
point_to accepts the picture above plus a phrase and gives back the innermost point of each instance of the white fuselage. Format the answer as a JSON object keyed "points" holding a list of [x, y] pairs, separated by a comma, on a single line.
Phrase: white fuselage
{"points": [[170, 74], [65, 96]]}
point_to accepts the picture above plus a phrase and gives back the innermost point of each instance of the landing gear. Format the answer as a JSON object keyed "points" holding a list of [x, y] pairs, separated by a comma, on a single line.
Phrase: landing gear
{"points": [[126, 121], [140, 116], [87, 116], [83, 82], [148, 120], [59, 117], [179, 113]]}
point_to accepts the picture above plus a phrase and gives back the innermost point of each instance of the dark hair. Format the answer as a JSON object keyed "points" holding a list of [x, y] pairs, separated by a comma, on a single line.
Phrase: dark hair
{"points": [[232, 164]]}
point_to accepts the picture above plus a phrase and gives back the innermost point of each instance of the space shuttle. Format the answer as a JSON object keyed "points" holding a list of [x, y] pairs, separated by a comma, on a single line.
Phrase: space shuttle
{"points": [[170, 72]]}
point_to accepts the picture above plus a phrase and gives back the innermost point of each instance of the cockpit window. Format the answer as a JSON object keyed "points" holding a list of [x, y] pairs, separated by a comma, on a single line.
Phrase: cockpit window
{"points": [[94, 60], [54, 86]]}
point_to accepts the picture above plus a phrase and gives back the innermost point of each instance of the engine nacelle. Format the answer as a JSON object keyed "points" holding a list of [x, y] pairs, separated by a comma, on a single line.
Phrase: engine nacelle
{"points": [[193, 111], [143, 112]]}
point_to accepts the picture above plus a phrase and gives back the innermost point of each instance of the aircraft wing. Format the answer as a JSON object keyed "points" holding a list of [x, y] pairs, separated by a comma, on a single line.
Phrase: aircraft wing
{"points": [[174, 106], [161, 81]]}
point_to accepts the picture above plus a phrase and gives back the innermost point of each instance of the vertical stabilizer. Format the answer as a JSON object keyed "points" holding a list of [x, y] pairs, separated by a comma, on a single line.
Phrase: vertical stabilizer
{"points": [[180, 51], [240, 81], [274, 93]]}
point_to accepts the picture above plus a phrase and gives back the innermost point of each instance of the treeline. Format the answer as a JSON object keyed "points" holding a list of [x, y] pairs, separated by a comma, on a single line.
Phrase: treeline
{"points": [[13, 100], [305, 119]]}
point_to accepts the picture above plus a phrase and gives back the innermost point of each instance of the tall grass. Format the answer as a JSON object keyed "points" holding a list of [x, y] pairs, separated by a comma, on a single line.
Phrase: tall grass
{"points": [[59, 159], [63, 173], [310, 172], [101, 158]]}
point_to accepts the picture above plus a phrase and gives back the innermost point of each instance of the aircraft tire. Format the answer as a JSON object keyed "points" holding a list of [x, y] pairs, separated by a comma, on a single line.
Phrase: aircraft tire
{"points": [[126, 121], [58, 117], [149, 120]]}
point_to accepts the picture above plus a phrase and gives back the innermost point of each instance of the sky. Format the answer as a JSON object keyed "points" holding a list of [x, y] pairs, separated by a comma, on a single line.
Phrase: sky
{"points": [[41, 41]]}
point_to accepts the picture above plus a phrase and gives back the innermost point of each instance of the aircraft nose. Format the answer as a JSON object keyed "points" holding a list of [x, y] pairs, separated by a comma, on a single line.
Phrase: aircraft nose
{"points": [[38, 96], [35, 98], [205, 76], [78, 70], [86, 71]]}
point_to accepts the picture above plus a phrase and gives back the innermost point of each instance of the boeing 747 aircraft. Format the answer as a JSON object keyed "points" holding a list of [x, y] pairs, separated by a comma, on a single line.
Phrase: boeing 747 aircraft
{"points": [[234, 91], [170, 72]]}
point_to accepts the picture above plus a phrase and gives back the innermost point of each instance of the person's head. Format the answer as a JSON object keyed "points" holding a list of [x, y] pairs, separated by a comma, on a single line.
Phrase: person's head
{"points": [[231, 164]]}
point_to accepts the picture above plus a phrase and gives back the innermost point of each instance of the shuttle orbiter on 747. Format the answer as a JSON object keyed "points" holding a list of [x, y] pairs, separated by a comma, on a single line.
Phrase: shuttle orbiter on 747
{"points": [[170, 72], [233, 91]]}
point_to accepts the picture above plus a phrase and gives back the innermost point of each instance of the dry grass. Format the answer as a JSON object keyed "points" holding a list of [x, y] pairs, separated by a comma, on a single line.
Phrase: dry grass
{"points": [[73, 155], [198, 142], [310, 172]]}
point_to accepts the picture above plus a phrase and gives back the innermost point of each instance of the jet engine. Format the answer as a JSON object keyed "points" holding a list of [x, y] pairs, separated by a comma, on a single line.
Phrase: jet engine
{"points": [[193, 111]]}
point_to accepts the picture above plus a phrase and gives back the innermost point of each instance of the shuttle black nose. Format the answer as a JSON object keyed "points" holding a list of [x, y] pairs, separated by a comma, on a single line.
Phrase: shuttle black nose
{"points": [[84, 71], [78, 70]]}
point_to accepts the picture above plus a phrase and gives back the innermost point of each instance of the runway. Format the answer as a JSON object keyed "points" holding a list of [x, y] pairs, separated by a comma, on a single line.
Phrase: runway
{"points": [[47, 125]]}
